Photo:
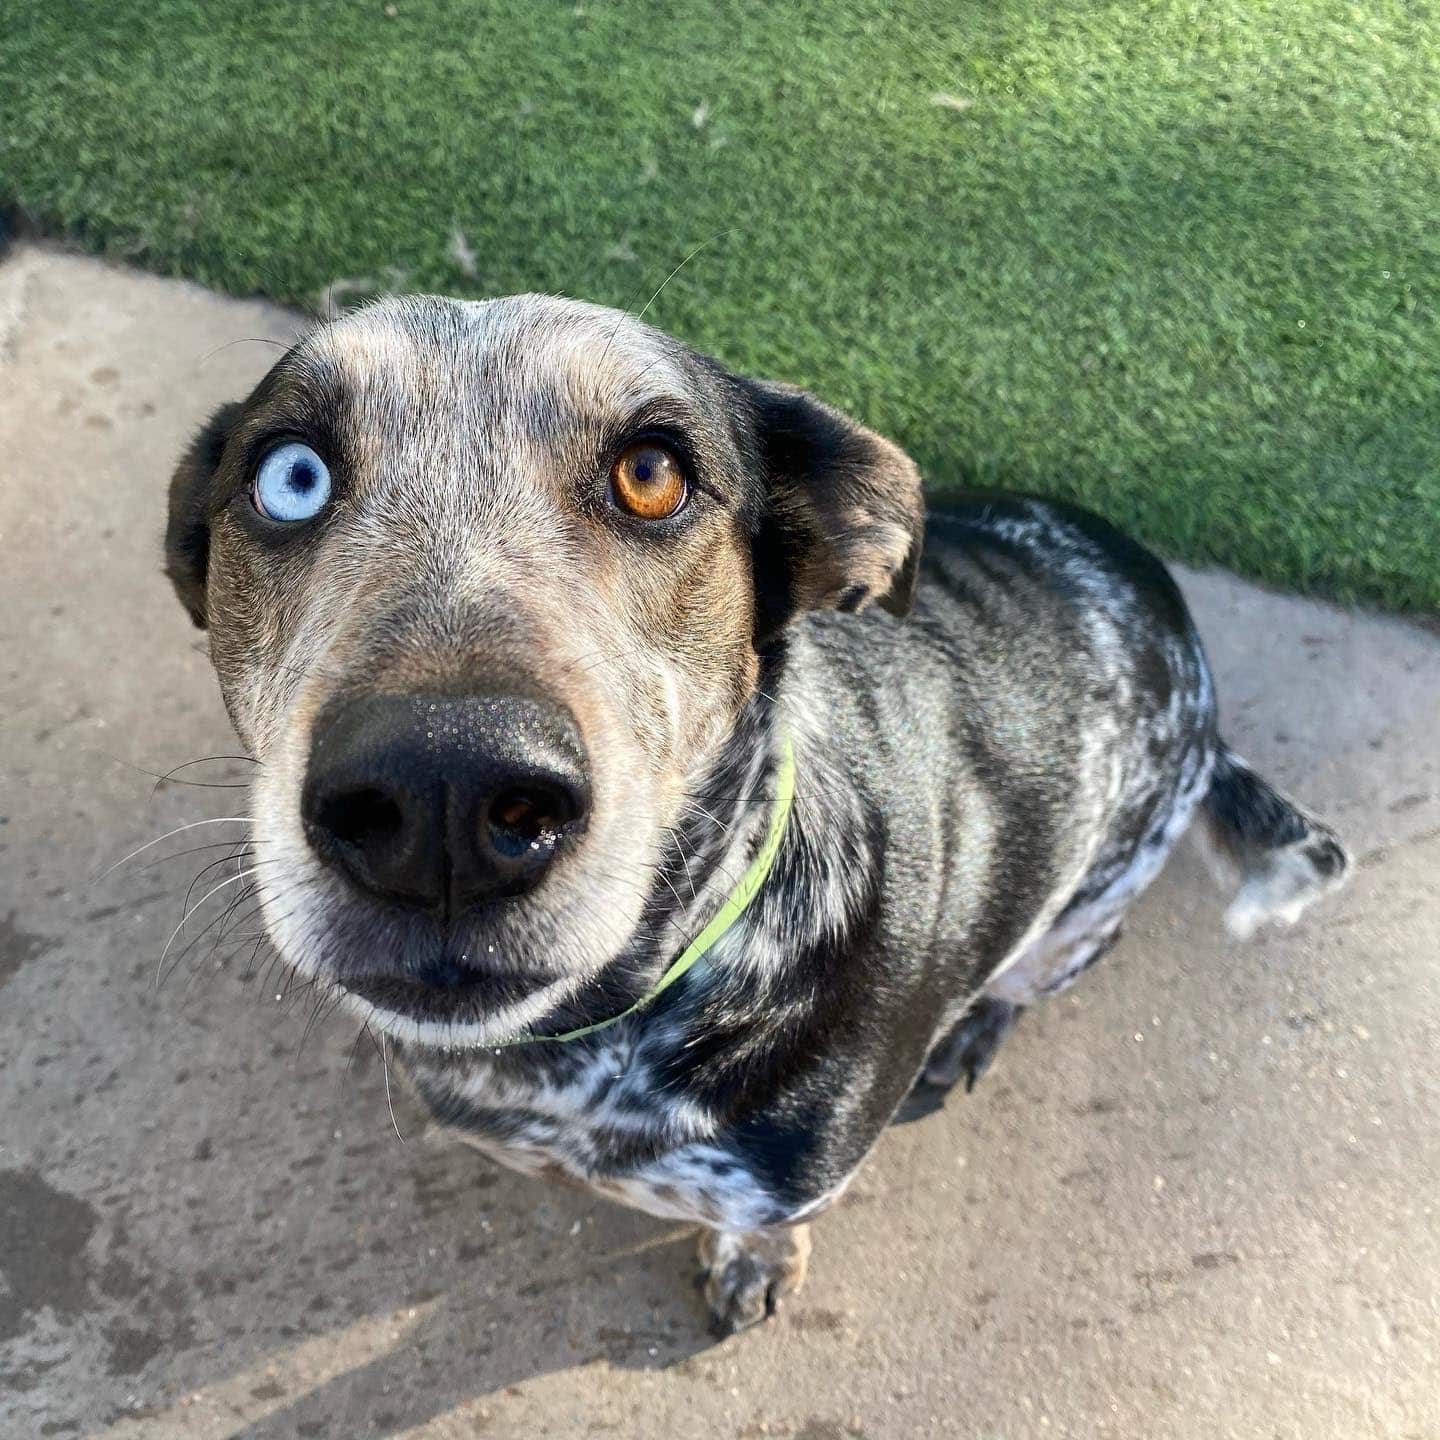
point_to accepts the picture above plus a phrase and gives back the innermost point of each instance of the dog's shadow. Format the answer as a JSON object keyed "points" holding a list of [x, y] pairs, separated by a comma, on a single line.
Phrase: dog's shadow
{"points": [[462, 1282], [457, 1357]]}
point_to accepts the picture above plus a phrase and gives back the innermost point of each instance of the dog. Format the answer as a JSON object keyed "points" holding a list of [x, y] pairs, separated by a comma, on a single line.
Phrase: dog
{"points": [[631, 768]]}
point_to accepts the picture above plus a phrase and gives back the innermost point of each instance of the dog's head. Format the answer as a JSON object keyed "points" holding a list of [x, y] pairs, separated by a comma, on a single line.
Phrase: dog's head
{"points": [[487, 585]]}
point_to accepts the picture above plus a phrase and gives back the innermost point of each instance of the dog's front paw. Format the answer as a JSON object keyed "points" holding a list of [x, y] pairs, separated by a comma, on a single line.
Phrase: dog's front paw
{"points": [[743, 1273]]}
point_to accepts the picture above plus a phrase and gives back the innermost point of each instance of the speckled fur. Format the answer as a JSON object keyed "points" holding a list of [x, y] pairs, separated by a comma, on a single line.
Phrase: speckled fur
{"points": [[997, 746]]}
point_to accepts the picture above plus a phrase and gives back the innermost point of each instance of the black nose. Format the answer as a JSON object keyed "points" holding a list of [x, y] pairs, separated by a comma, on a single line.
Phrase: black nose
{"points": [[444, 802]]}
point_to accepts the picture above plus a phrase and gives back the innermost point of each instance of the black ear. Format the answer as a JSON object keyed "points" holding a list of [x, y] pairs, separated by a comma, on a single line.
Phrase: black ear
{"points": [[845, 518], [187, 533]]}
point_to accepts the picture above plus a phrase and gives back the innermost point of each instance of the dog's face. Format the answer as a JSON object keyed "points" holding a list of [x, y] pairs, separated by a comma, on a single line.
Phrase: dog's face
{"points": [[486, 587]]}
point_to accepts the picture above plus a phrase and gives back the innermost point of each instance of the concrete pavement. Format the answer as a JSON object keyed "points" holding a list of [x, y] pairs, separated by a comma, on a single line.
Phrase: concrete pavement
{"points": [[1199, 1196]]}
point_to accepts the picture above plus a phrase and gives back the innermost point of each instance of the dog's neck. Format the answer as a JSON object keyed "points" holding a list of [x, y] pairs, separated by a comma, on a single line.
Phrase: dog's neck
{"points": [[723, 822]]}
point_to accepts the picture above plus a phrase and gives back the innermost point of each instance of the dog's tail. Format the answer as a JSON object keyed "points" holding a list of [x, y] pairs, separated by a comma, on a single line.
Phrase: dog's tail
{"points": [[1286, 857]]}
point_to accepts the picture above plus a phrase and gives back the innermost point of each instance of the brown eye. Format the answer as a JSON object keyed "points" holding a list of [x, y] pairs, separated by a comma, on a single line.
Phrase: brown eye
{"points": [[647, 481]]}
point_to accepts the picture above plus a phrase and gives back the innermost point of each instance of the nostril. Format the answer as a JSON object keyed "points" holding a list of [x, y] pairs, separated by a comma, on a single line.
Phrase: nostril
{"points": [[362, 818], [444, 803], [524, 821]]}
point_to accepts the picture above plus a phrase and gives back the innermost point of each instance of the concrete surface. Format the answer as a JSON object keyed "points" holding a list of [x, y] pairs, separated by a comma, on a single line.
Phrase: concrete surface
{"points": [[1197, 1198]]}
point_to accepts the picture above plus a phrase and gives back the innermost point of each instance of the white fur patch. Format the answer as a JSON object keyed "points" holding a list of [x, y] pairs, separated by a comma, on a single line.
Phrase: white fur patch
{"points": [[1277, 891]]}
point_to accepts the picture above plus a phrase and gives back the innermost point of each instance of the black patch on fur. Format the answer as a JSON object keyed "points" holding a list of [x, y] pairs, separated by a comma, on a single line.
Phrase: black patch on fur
{"points": [[785, 1149], [1253, 816], [187, 533], [807, 452]]}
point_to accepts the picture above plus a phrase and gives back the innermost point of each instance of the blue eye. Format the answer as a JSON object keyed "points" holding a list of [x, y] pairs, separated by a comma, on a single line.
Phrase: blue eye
{"points": [[292, 483]]}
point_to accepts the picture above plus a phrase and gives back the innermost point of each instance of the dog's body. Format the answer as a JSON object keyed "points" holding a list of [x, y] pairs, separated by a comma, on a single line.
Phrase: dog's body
{"points": [[1003, 770], [981, 790]]}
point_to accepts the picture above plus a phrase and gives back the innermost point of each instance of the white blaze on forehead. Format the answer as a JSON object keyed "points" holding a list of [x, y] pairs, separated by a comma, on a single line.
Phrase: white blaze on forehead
{"points": [[606, 356], [605, 361]]}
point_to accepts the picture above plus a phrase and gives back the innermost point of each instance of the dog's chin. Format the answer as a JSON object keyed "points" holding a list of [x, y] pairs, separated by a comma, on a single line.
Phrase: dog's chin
{"points": [[469, 1010]]}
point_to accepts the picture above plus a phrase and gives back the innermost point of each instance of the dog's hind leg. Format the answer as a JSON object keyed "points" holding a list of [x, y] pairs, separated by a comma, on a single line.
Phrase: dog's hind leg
{"points": [[968, 1050], [969, 1047], [965, 1053]]}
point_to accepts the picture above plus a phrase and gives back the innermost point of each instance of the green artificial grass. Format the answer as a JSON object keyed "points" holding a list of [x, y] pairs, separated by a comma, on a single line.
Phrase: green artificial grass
{"points": [[1176, 260]]}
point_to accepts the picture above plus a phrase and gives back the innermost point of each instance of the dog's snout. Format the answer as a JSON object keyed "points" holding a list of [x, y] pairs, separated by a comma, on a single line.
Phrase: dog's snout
{"points": [[445, 802]]}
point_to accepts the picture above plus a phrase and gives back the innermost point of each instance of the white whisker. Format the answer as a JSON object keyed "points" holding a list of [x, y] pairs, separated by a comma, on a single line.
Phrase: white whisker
{"points": [[179, 829]]}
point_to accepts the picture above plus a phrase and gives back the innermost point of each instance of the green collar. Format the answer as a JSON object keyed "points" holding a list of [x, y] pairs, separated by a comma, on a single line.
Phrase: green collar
{"points": [[734, 907]]}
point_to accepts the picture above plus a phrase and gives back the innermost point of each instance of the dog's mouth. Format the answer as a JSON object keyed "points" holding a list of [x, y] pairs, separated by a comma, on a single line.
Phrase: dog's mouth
{"points": [[463, 1000], [497, 972], [446, 990]]}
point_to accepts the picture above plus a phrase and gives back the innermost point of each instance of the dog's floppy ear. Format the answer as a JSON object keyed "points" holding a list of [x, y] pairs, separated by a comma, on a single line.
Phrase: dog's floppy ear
{"points": [[844, 515], [187, 533]]}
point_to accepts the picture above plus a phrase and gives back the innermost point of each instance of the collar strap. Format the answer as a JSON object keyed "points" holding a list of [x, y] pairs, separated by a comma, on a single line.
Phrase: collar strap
{"points": [[736, 903]]}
